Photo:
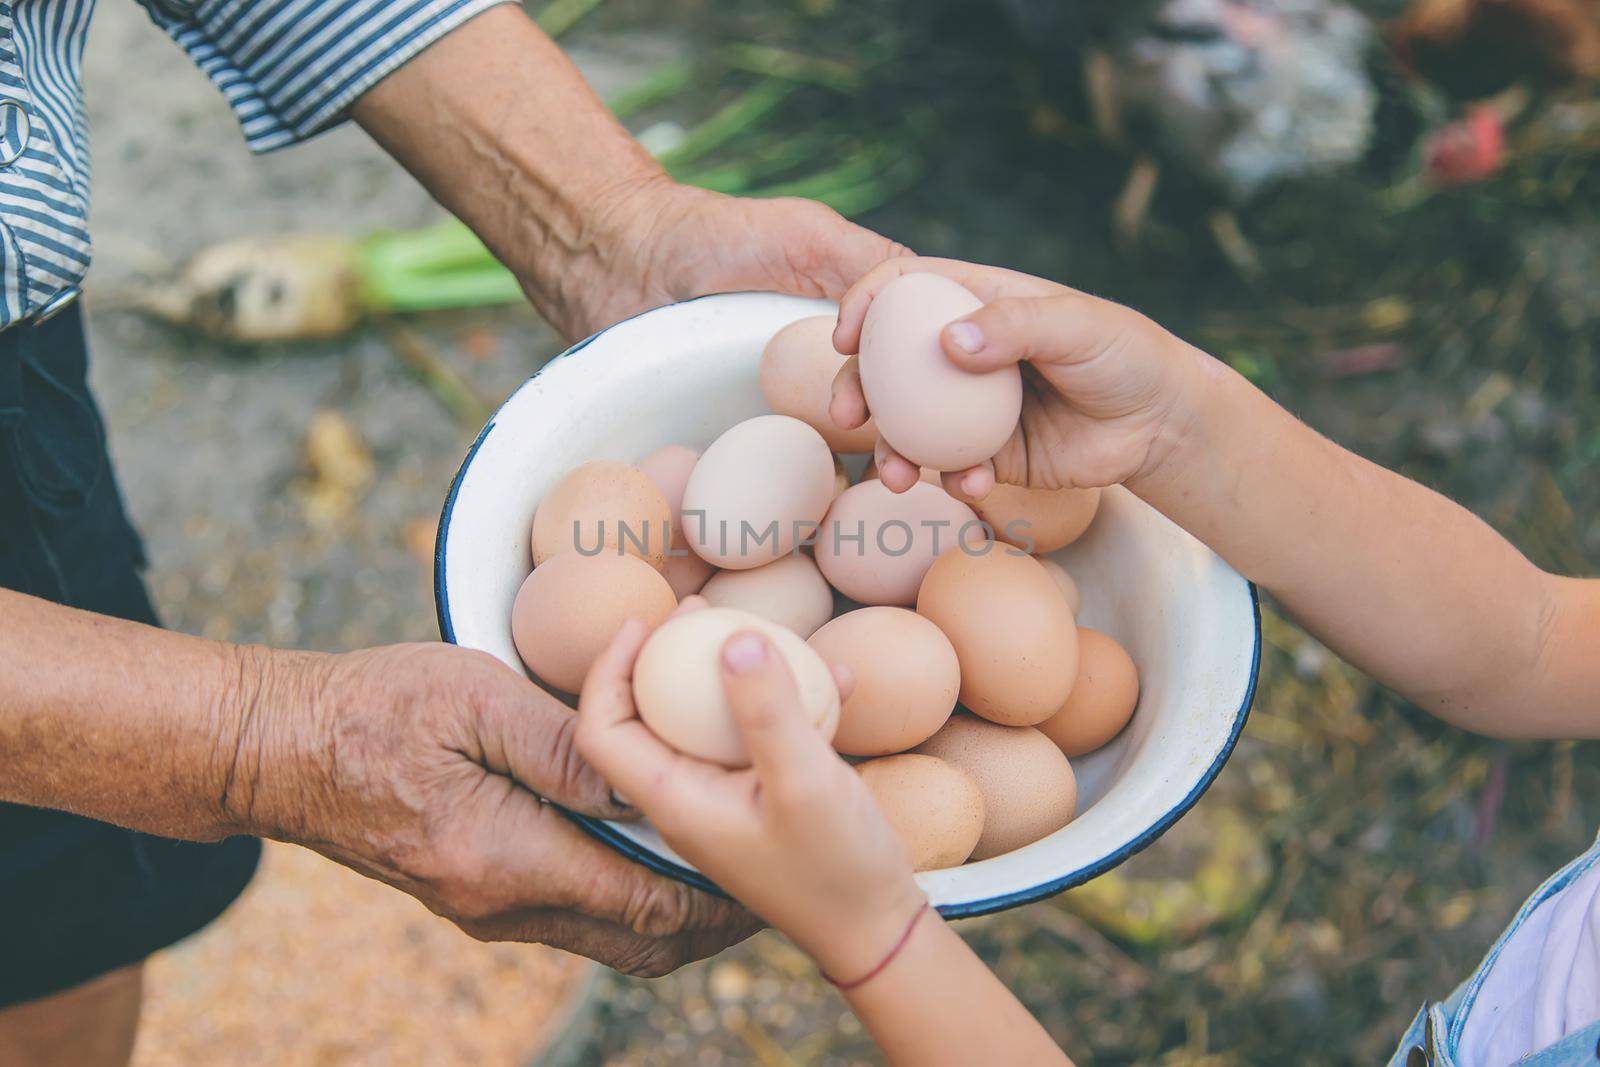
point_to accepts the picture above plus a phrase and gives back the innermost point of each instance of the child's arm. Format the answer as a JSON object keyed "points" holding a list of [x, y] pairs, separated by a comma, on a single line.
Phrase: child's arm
{"points": [[799, 839], [1403, 583]]}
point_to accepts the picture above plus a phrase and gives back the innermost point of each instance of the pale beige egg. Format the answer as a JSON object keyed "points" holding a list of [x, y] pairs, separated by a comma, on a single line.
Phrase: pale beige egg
{"points": [[1102, 699], [790, 591], [1064, 581], [875, 546], [604, 508], [1029, 789], [677, 683], [934, 807], [571, 606], [906, 678], [761, 488], [928, 409], [797, 371], [1038, 520], [1012, 630]]}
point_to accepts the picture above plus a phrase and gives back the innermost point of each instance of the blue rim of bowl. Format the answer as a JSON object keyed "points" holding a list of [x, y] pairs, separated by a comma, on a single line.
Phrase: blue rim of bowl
{"points": [[616, 839]]}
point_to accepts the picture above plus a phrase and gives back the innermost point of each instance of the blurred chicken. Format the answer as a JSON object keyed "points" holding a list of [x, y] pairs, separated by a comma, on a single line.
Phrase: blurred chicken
{"points": [[1474, 48], [1239, 92]]}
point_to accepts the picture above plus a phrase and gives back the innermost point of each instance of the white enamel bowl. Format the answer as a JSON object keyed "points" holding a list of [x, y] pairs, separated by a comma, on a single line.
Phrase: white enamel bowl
{"points": [[681, 375]]}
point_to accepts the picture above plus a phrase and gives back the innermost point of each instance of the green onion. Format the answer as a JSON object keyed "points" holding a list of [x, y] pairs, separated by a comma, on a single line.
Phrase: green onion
{"points": [[739, 115], [793, 66], [663, 83], [559, 16]]}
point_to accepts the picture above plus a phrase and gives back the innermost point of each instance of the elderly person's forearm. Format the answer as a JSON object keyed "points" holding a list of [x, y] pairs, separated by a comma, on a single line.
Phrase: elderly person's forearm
{"points": [[127, 723], [502, 128]]}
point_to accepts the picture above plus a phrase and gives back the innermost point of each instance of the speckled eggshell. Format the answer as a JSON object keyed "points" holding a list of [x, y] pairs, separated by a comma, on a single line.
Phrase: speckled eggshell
{"points": [[930, 410], [1029, 789], [875, 546], [790, 591], [1102, 699], [1038, 520], [1011, 628], [669, 468], [906, 678], [677, 683], [934, 807], [797, 371], [761, 487], [571, 606], [1064, 581], [610, 508]]}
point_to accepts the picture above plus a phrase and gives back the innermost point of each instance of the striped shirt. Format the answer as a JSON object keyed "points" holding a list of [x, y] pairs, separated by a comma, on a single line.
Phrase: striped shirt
{"points": [[288, 68]]}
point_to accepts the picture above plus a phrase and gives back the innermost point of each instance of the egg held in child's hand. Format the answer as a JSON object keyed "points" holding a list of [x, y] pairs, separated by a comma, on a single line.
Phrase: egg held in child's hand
{"points": [[929, 410], [603, 508], [677, 683], [1102, 699], [1064, 581], [906, 678], [669, 468], [1029, 789], [797, 371], [934, 807], [1012, 630], [789, 591], [875, 546], [760, 488], [572, 605], [1038, 520]]}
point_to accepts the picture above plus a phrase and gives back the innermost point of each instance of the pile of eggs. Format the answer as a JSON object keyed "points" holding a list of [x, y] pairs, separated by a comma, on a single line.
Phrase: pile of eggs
{"points": [[974, 687]]}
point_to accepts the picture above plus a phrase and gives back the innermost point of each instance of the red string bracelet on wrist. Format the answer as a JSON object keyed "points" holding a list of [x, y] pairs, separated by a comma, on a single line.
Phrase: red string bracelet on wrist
{"points": [[888, 959]]}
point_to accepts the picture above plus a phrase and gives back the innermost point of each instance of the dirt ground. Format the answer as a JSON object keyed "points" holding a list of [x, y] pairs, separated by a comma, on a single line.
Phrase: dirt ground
{"points": [[1383, 851]]}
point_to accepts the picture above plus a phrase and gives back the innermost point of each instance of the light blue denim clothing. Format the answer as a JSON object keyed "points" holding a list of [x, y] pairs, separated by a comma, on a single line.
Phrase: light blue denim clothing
{"points": [[1435, 1034]]}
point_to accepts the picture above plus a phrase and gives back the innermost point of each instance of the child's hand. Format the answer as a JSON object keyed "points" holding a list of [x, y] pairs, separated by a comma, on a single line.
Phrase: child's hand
{"points": [[797, 837], [1101, 382]]}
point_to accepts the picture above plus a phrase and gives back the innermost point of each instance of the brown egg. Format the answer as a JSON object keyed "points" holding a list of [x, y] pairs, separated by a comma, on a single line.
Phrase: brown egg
{"points": [[906, 678], [1012, 631], [934, 807], [1068, 587], [1029, 790], [875, 546], [1102, 700], [790, 591], [571, 606], [677, 683], [761, 488], [797, 371], [1038, 520], [687, 574], [669, 468], [604, 508]]}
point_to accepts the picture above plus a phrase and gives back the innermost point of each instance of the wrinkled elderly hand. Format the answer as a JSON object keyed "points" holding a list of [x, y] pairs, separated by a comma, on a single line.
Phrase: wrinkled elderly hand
{"points": [[422, 766], [660, 242]]}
